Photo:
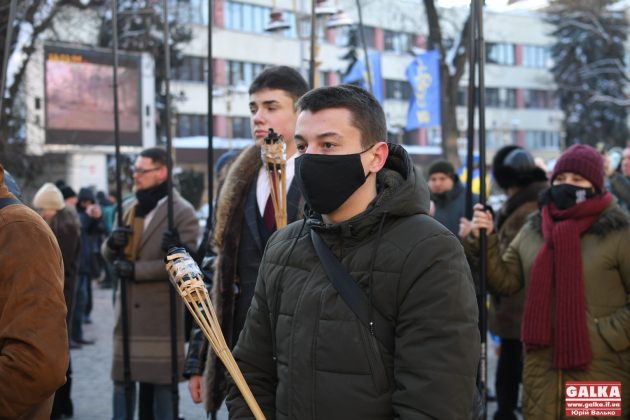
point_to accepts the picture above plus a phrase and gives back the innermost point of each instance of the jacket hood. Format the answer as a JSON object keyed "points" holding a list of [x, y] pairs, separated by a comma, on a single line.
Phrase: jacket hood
{"points": [[401, 191]]}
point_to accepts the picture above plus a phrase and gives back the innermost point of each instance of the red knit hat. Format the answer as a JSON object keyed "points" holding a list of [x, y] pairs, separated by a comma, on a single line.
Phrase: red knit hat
{"points": [[584, 160]]}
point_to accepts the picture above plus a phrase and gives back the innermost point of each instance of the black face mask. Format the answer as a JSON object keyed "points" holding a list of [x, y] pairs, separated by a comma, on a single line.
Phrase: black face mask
{"points": [[565, 196], [327, 181]]}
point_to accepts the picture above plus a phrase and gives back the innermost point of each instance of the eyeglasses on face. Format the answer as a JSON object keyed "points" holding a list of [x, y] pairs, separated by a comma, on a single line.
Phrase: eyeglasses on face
{"points": [[141, 171]]}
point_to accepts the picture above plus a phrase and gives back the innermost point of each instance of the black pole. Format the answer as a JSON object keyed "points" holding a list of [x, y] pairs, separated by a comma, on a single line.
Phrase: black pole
{"points": [[365, 50], [119, 211], [5, 58], [312, 60], [483, 370], [169, 202], [471, 102], [210, 156]]}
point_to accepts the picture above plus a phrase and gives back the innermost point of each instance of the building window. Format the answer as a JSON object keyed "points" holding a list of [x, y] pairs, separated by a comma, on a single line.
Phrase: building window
{"points": [[190, 11], [242, 73], [191, 69], [399, 42], [500, 98], [343, 37], [240, 128], [500, 53], [539, 99], [535, 56], [189, 125], [397, 89], [253, 18], [537, 140]]}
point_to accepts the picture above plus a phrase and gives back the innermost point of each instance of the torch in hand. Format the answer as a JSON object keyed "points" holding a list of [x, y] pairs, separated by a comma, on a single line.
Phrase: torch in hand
{"points": [[187, 279], [273, 153]]}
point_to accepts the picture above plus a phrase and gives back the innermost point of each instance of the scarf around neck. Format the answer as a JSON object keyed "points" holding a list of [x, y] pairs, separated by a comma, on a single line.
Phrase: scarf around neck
{"points": [[148, 198], [557, 285]]}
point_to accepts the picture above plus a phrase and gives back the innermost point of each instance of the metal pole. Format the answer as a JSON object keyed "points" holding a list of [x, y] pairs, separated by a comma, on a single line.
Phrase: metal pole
{"points": [[5, 58], [365, 50], [170, 216], [471, 102], [312, 68], [210, 153], [483, 371], [121, 253]]}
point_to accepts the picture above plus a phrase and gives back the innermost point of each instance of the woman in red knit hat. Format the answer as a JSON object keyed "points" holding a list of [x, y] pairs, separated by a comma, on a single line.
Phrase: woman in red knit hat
{"points": [[572, 258]]}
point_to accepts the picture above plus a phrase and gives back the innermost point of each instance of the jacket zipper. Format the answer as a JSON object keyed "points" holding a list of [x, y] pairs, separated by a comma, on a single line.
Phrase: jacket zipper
{"points": [[379, 375]]}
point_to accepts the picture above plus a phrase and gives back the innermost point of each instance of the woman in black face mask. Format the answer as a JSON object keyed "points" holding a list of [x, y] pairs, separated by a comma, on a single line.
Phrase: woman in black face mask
{"points": [[571, 257]]}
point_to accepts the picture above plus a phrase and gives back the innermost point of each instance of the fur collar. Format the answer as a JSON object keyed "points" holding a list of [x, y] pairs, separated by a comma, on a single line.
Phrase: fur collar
{"points": [[612, 219], [240, 175]]}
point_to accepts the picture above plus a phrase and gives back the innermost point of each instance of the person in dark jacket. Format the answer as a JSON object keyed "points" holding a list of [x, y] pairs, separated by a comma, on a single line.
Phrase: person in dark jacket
{"points": [[49, 202], [448, 196], [243, 224], [303, 351], [572, 258], [620, 181], [90, 216], [515, 171]]}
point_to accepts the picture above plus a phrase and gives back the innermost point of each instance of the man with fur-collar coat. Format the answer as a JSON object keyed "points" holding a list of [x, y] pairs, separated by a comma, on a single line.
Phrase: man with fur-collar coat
{"points": [[244, 222]]}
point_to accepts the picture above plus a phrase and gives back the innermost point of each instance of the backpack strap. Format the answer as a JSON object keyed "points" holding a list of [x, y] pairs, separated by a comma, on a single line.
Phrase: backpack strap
{"points": [[352, 294], [7, 201]]}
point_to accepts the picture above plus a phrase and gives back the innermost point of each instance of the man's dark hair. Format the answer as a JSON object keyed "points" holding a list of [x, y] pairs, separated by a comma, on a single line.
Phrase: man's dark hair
{"points": [[281, 78], [367, 114], [156, 154]]}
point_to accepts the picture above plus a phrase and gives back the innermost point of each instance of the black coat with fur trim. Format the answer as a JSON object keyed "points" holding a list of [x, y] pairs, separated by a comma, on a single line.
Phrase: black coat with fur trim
{"points": [[606, 268], [238, 244]]}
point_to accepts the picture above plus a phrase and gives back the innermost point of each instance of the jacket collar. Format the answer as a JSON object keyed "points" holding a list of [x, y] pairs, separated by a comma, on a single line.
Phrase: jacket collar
{"points": [[610, 220]]}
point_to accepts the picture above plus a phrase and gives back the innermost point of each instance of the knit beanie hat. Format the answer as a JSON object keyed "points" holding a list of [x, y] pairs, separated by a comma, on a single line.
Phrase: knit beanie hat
{"points": [[514, 166], [86, 194], [49, 197], [67, 191], [442, 166], [584, 160]]}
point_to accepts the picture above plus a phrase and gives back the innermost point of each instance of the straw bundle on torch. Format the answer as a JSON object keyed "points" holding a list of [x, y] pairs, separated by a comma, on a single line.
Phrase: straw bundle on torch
{"points": [[188, 281], [274, 157]]}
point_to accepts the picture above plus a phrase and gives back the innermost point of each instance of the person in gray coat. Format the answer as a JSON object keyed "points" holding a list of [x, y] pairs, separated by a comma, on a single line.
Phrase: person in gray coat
{"points": [[304, 353], [144, 240]]}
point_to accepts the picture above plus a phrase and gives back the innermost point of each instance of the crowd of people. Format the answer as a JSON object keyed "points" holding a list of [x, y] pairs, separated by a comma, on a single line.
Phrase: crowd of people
{"points": [[364, 306]]}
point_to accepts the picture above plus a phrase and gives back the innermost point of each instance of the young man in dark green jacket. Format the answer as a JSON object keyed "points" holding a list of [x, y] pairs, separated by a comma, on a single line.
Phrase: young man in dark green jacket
{"points": [[303, 351]]}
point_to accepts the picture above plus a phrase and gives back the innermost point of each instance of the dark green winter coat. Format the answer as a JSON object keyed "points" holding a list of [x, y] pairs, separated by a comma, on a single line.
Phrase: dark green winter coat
{"points": [[305, 354], [605, 247]]}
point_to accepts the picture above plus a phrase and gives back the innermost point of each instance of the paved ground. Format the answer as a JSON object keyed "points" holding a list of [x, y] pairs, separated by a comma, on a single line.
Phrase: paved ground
{"points": [[92, 386]]}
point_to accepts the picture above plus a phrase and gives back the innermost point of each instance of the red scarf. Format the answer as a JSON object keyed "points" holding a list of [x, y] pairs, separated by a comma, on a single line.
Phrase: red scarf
{"points": [[557, 273]]}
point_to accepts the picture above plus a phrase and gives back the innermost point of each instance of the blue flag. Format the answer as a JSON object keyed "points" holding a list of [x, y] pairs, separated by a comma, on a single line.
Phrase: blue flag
{"points": [[423, 75], [358, 75]]}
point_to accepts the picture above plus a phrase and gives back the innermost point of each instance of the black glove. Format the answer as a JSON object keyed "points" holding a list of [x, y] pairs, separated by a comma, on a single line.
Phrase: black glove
{"points": [[170, 239], [125, 269], [119, 238]]}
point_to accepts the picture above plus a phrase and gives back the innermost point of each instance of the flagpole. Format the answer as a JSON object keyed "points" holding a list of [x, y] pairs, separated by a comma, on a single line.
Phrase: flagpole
{"points": [[5, 58], [119, 211], [364, 46], [210, 153], [312, 60], [471, 103], [170, 216], [483, 371]]}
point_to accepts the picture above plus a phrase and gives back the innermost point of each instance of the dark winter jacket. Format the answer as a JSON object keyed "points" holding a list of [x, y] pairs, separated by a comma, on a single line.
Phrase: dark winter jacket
{"points": [[606, 288], [239, 247], [67, 229], [505, 312], [451, 206], [304, 353], [91, 228]]}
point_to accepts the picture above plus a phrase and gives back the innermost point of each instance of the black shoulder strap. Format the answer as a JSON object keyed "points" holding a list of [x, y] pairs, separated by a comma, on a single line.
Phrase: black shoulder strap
{"points": [[8, 201], [352, 294]]}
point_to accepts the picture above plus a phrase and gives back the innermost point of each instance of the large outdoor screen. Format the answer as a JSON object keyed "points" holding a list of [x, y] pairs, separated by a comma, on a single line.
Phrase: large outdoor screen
{"points": [[80, 97]]}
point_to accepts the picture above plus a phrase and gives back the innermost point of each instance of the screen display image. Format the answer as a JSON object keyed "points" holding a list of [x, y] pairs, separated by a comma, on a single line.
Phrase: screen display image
{"points": [[80, 97]]}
